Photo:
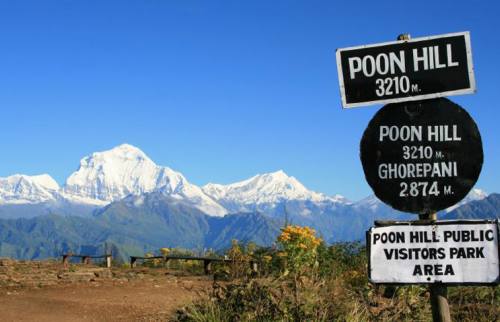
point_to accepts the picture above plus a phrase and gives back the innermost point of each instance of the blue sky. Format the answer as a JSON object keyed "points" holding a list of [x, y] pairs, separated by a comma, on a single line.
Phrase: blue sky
{"points": [[218, 90]]}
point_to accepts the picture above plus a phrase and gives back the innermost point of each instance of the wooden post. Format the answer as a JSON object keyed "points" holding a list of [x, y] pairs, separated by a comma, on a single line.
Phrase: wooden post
{"points": [[65, 259], [254, 266], [108, 260], [207, 265], [438, 292], [132, 261], [439, 303], [166, 263]]}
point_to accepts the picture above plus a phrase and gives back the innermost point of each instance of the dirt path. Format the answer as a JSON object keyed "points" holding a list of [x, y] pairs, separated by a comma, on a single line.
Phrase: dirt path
{"points": [[147, 299]]}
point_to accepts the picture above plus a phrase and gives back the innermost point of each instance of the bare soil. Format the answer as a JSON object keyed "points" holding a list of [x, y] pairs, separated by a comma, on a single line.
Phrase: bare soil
{"points": [[124, 295]]}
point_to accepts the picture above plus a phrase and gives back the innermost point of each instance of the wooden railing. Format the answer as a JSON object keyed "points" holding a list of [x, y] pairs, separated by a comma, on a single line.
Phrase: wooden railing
{"points": [[207, 261], [86, 259]]}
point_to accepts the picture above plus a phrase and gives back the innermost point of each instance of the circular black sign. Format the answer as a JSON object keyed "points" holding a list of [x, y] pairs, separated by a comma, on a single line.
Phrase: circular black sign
{"points": [[422, 156]]}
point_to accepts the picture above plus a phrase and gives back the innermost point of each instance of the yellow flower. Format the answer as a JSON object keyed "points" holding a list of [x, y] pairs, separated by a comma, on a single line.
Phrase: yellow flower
{"points": [[284, 237], [281, 254]]}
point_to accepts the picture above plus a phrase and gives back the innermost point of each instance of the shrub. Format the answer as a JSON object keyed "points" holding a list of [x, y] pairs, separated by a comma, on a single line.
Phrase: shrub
{"points": [[306, 280], [299, 246]]}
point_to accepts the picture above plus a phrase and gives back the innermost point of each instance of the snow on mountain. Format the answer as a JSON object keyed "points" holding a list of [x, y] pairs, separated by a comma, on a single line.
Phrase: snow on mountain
{"points": [[370, 202], [373, 203], [340, 199], [111, 175], [473, 195], [269, 188], [108, 176], [22, 189]]}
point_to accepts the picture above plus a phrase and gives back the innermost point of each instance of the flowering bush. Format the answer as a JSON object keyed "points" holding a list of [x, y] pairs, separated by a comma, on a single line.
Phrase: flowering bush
{"points": [[240, 256], [299, 246], [152, 263], [164, 251]]}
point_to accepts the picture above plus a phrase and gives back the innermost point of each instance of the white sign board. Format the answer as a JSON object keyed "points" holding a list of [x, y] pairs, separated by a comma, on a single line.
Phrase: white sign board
{"points": [[453, 252]]}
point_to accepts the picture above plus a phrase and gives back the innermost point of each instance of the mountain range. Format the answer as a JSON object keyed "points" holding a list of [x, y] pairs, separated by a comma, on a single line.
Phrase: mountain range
{"points": [[120, 197]]}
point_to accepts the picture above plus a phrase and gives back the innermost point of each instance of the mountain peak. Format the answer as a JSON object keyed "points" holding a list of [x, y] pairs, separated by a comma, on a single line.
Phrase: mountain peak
{"points": [[121, 153], [277, 177], [473, 195], [278, 174], [113, 174], [45, 181], [127, 149], [373, 203], [478, 194], [267, 188], [20, 188]]}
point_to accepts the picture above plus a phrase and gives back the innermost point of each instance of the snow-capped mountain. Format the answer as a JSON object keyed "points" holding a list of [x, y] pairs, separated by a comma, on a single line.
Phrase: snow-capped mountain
{"points": [[473, 195], [121, 188], [374, 204], [266, 190], [371, 202], [108, 176], [23, 189], [102, 178], [112, 175]]}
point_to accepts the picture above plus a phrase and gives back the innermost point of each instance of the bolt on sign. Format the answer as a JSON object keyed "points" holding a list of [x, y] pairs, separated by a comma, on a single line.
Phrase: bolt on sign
{"points": [[451, 252], [420, 68], [421, 157]]}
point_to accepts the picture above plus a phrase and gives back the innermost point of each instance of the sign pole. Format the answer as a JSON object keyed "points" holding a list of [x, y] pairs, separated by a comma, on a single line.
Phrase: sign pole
{"points": [[439, 303], [438, 292]]}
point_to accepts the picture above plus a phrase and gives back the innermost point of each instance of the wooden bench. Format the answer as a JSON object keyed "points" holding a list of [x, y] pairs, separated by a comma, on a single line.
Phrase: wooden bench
{"points": [[207, 261], [86, 259]]}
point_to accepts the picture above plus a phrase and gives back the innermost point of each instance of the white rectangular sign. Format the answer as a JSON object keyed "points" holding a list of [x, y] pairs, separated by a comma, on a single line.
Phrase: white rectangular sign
{"points": [[447, 252]]}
